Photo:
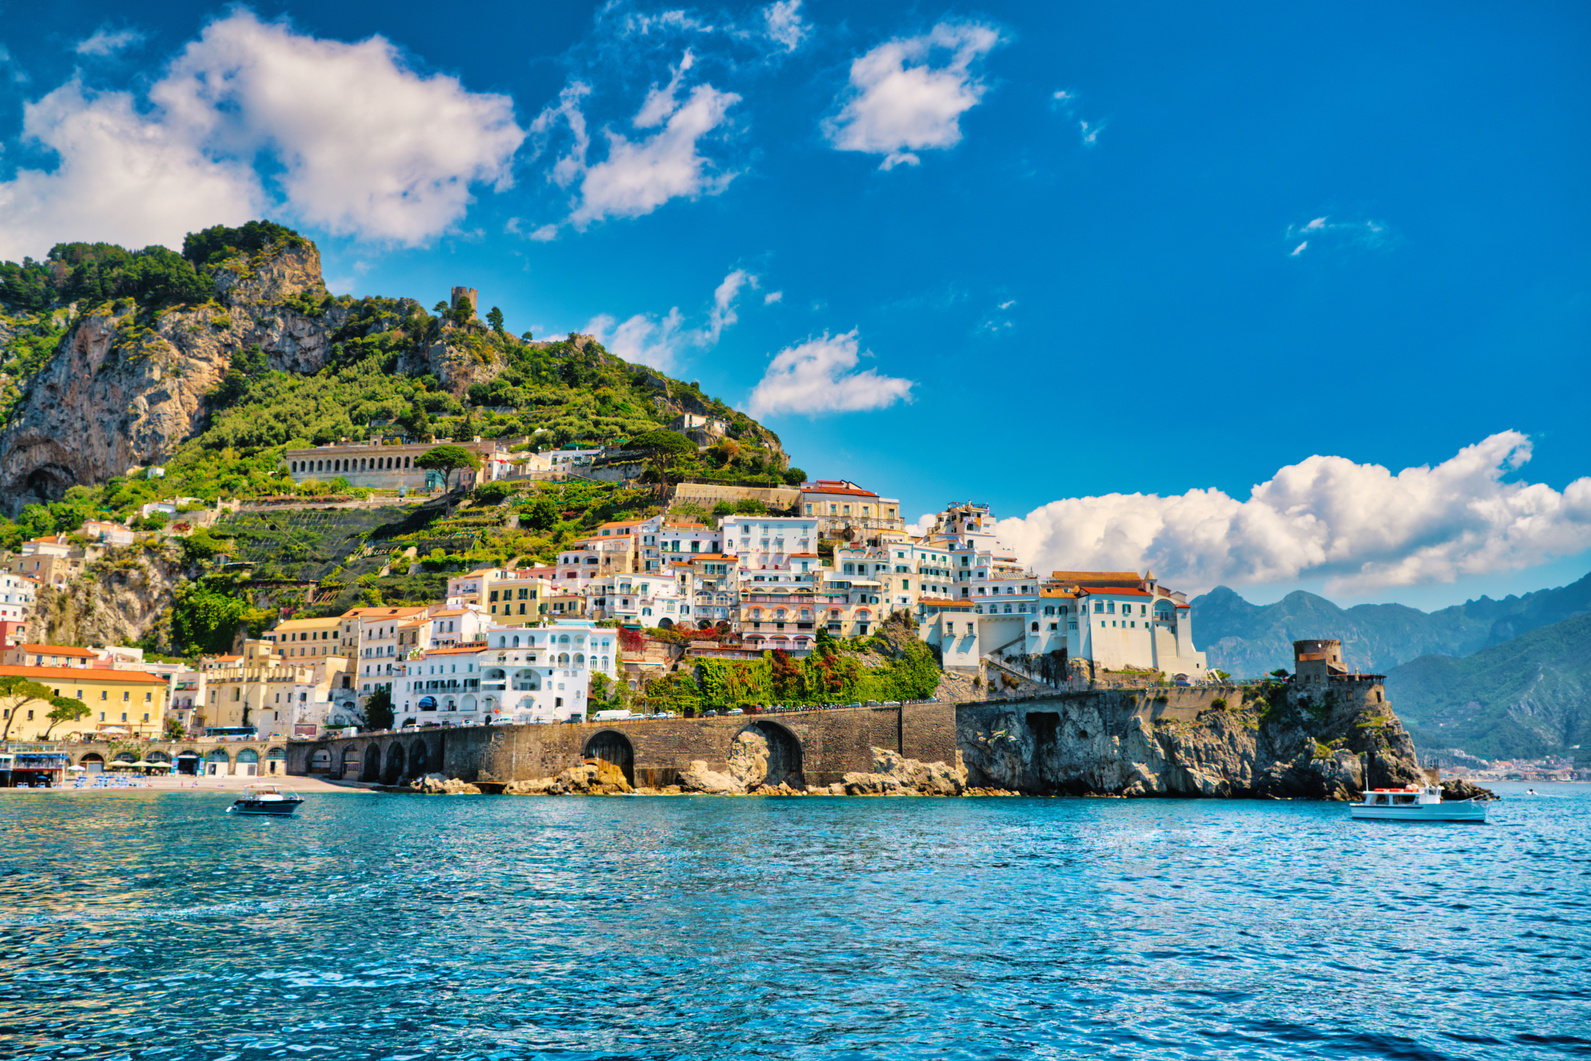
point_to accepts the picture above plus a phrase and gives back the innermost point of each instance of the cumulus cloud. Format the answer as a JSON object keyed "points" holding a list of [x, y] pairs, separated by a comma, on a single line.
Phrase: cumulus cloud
{"points": [[1324, 233], [662, 342], [1360, 526], [106, 41], [638, 176], [122, 177], [819, 376], [784, 25], [899, 102], [351, 137], [771, 297]]}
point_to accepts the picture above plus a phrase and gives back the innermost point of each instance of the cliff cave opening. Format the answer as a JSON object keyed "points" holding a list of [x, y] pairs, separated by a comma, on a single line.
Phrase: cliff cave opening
{"points": [[49, 482], [1043, 725]]}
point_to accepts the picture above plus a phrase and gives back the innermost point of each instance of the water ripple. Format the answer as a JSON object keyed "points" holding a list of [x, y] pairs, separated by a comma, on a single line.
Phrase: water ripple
{"points": [[154, 926]]}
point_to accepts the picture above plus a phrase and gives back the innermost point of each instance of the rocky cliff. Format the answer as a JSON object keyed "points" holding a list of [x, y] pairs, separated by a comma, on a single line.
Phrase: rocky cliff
{"points": [[1247, 742], [119, 600], [127, 384]]}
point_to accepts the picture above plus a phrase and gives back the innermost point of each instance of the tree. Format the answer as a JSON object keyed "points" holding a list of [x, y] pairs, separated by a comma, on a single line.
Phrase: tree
{"points": [[418, 421], [64, 709], [494, 317], [21, 692], [174, 729], [447, 460], [666, 448], [378, 710], [794, 476]]}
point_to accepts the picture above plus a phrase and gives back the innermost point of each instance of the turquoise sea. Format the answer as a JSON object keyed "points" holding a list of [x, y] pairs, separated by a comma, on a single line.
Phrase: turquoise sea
{"points": [[153, 925]]}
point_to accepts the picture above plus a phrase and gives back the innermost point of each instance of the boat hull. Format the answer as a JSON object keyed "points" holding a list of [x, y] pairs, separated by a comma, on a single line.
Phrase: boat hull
{"points": [[280, 808], [1446, 811]]}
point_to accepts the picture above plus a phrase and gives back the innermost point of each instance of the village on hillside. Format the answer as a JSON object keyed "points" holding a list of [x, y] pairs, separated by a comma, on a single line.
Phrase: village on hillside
{"points": [[823, 563]]}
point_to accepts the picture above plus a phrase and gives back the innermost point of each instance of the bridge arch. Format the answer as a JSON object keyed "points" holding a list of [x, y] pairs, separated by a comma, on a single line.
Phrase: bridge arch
{"points": [[346, 761], [419, 758], [783, 752], [392, 764], [370, 769], [611, 746]]}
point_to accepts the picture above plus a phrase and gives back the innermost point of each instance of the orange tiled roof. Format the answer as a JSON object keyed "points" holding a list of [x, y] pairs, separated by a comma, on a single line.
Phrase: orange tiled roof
{"points": [[55, 650], [81, 675], [1096, 578]]}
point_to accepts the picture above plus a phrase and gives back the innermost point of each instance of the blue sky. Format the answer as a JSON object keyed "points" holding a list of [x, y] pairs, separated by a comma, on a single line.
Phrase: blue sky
{"points": [[1107, 267]]}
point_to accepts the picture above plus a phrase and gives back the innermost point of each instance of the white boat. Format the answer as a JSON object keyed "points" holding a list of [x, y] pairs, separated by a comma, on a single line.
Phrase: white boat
{"points": [[1415, 803], [266, 799]]}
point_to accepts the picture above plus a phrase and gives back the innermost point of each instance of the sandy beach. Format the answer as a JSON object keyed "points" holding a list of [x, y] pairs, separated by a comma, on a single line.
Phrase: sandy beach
{"points": [[301, 785]]}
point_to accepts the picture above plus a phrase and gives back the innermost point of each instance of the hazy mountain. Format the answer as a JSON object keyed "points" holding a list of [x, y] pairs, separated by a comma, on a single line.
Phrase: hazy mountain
{"points": [[1251, 639], [1524, 698]]}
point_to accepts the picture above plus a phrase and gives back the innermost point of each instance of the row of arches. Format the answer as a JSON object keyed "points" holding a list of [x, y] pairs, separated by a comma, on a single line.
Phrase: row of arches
{"points": [[402, 760], [350, 464], [217, 761]]}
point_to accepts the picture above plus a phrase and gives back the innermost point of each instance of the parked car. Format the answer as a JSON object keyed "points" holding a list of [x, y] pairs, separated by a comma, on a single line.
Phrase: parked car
{"points": [[709, 714], [872, 703], [734, 711], [891, 703]]}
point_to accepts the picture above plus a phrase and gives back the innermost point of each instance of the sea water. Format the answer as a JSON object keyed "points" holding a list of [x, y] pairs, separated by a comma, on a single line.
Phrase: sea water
{"points": [[154, 925]]}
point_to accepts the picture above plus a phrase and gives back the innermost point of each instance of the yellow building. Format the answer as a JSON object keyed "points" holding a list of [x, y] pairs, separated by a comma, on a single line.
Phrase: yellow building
{"points": [[308, 640], [119, 702], [517, 596]]}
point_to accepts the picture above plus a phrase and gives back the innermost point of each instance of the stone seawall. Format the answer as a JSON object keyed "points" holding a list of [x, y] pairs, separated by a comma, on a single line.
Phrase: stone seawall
{"points": [[819, 747], [1209, 741]]}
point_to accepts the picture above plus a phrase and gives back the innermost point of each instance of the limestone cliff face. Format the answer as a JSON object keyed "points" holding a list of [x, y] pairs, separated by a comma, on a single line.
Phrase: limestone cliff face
{"points": [[1192, 743], [119, 600], [125, 387]]}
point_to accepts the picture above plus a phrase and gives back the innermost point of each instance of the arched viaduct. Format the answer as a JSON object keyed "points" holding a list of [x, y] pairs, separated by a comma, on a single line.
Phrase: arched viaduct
{"points": [[807, 747]]}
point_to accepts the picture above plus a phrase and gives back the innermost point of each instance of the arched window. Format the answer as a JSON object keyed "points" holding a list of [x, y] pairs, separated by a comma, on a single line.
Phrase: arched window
{"points": [[1035, 628], [580, 658], [516, 640]]}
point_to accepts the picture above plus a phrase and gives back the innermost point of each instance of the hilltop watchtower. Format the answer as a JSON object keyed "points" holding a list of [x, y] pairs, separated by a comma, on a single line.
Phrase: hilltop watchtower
{"points": [[1318, 667], [466, 294]]}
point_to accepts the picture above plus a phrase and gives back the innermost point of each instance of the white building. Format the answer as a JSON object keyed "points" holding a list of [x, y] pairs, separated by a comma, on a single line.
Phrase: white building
{"points": [[17, 596], [543, 673]]}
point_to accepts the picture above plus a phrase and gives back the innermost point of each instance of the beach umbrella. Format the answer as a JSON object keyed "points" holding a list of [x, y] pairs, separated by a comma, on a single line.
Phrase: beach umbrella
{"points": [[76, 769]]}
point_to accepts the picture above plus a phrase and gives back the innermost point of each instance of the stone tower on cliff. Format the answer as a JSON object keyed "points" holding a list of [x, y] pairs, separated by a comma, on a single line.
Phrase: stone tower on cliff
{"points": [[467, 294]]}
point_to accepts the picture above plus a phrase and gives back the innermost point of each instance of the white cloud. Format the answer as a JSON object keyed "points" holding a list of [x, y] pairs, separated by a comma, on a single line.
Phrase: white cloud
{"points": [[661, 342], [1088, 132], [771, 297], [819, 376], [354, 140], [900, 103], [1357, 525], [639, 176], [784, 24], [122, 177], [1324, 232], [106, 41], [368, 146], [643, 339]]}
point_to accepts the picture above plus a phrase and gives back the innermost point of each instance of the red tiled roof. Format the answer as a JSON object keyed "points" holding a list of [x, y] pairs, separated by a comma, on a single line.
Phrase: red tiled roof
{"points": [[832, 486], [56, 650], [1114, 591]]}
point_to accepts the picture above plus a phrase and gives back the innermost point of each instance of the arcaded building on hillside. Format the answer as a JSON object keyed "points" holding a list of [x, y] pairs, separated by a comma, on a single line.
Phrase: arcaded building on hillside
{"points": [[388, 466]]}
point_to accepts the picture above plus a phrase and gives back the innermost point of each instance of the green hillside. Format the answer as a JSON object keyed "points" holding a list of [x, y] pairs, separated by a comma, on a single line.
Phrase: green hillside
{"points": [[379, 380], [1524, 698]]}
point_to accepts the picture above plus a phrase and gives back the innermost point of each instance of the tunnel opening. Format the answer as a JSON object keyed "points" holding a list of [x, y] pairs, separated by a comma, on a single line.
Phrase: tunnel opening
{"points": [[615, 748], [371, 771], [767, 755], [392, 771]]}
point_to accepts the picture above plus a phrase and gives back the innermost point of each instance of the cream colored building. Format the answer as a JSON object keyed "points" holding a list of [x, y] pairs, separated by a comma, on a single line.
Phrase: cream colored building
{"points": [[307, 640], [384, 466]]}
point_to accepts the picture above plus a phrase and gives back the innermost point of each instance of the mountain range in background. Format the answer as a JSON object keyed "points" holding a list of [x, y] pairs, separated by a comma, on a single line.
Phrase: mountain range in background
{"points": [[1506, 678]]}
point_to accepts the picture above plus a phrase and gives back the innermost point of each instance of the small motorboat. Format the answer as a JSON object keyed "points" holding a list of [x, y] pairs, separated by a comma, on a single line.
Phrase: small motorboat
{"points": [[1416, 803], [266, 799]]}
